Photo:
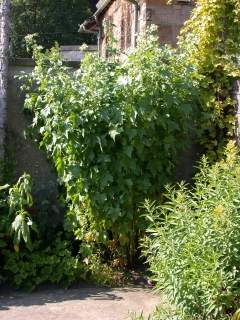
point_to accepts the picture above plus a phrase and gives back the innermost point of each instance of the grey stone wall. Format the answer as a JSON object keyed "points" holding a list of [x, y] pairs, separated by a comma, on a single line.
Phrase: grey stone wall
{"points": [[23, 155], [74, 53], [27, 155]]}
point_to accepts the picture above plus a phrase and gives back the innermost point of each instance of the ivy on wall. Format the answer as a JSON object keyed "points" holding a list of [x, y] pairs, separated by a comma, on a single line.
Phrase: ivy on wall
{"points": [[212, 39]]}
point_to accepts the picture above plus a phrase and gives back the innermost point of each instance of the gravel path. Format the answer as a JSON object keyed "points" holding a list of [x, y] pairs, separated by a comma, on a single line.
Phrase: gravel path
{"points": [[82, 303]]}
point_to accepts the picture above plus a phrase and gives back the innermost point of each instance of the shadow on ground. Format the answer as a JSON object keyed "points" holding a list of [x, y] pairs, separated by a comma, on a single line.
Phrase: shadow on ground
{"points": [[81, 302], [12, 298]]}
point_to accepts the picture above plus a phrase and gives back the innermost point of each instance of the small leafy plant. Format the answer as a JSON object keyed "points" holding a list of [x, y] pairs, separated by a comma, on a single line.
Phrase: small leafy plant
{"points": [[19, 201]]}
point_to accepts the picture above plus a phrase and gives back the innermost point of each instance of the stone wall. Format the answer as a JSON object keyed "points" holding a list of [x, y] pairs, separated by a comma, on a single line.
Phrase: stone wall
{"points": [[74, 53], [23, 155], [28, 157]]}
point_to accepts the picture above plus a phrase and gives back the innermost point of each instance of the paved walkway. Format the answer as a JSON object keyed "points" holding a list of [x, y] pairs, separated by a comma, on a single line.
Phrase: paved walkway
{"points": [[82, 303]]}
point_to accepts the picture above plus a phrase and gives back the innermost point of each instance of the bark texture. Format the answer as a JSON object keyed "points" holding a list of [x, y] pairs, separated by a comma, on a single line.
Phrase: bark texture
{"points": [[4, 51]]}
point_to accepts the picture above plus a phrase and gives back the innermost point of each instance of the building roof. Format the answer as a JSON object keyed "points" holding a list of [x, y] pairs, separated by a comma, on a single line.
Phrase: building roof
{"points": [[91, 24], [101, 6]]}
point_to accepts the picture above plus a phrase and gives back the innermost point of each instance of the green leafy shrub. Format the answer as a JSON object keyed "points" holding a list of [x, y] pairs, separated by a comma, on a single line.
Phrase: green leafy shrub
{"points": [[193, 245], [52, 264], [114, 130], [56, 264]]}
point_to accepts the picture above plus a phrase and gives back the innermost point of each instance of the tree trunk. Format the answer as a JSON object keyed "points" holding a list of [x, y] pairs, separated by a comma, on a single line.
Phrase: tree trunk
{"points": [[4, 51]]}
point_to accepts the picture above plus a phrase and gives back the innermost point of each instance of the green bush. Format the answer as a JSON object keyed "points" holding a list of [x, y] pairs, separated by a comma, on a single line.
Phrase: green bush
{"points": [[114, 130], [52, 264], [193, 245]]}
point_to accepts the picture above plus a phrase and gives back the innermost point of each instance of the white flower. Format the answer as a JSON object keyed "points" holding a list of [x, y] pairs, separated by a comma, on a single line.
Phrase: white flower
{"points": [[124, 80]]}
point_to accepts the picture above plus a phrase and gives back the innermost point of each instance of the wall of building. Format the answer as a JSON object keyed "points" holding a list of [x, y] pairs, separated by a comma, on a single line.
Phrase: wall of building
{"points": [[120, 17], [169, 18], [120, 14]]}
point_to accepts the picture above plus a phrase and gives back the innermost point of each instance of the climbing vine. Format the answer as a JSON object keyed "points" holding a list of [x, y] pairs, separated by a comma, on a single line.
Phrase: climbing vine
{"points": [[212, 39]]}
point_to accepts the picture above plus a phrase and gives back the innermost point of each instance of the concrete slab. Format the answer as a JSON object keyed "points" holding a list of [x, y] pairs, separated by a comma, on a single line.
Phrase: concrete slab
{"points": [[81, 303]]}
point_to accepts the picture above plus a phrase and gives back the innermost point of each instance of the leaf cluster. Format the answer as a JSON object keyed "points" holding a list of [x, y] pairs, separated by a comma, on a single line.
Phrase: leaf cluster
{"points": [[19, 201]]}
